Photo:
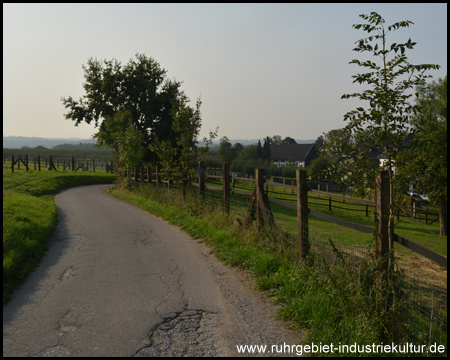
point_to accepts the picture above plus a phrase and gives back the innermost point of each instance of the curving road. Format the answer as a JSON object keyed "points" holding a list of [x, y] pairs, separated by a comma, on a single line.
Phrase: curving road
{"points": [[118, 281]]}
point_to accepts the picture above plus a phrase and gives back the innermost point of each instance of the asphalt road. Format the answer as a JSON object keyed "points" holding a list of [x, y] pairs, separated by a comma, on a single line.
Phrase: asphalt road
{"points": [[118, 281]]}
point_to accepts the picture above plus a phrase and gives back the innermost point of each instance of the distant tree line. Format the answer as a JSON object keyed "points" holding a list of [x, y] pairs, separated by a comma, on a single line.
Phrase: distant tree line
{"points": [[97, 154], [84, 146]]}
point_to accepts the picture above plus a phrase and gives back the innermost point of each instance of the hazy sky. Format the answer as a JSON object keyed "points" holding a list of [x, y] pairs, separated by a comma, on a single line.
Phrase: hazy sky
{"points": [[261, 69]]}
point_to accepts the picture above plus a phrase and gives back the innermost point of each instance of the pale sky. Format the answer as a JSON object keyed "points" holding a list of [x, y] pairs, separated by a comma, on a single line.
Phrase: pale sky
{"points": [[260, 69]]}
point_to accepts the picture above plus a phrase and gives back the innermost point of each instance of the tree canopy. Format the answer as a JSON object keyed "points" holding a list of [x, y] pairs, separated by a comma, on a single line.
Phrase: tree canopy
{"points": [[135, 99], [424, 162], [384, 124]]}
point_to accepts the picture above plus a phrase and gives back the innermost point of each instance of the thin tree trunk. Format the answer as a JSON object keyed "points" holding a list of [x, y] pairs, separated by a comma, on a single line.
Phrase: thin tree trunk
{"points": [[443, 216]]}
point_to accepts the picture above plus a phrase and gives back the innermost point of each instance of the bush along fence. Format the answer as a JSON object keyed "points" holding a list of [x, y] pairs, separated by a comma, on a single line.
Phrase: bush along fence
{"points": [[427, 302], [55, 164]]}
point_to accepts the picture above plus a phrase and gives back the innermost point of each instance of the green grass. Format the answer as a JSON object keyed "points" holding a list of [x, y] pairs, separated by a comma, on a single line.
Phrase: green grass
{"points": [[30, 217], [414, 230]]}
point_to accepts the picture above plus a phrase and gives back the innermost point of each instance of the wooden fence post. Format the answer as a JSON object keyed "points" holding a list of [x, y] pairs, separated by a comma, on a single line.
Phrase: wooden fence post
{"points": [[201, 178], [302, 214], [93, 165], [259, 208], [382, 229], [39, 162], [158, 180], [226, 187], [12, 163], [259, 187]]}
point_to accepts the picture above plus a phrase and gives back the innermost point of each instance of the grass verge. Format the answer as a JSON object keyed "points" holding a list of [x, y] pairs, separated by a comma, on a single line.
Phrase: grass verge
{"points": [[30, 217]]}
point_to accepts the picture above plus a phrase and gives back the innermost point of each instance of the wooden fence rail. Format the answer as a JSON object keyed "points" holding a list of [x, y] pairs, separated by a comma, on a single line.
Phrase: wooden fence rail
{"points": [[441, 260], [329, 200], [73, 164]]}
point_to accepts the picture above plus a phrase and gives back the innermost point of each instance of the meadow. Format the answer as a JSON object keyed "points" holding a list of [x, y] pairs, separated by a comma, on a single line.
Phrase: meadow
{"points": [[30, 216]]}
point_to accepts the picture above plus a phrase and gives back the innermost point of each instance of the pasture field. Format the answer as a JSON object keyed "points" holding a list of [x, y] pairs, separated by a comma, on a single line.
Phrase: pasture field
{"points": [[426, 235], [30, 216]]}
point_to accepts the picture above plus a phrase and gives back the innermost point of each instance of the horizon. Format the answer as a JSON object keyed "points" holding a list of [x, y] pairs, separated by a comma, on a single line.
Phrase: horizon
{"points": [[21, 141], [62, 138]]}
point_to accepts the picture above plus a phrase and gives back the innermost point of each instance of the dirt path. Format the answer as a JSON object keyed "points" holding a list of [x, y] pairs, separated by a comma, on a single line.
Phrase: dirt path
{"points": [[120, 282]]}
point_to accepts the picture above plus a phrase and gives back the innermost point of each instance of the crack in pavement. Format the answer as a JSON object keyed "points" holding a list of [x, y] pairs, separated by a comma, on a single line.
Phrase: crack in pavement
{"points": [[55, 351], [68, 273], [144, 235], [188, 333]]}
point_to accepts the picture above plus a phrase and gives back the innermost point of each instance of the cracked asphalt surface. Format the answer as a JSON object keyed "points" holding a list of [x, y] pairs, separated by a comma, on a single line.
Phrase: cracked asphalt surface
{"points": [[118, 281]]}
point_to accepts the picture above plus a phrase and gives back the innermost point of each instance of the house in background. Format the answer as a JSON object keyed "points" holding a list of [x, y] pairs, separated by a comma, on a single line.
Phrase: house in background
{"points": [[300, 155]]}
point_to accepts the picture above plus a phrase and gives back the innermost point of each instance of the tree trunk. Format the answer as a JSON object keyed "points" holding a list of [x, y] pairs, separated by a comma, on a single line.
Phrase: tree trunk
{"points": [[443, 216]]}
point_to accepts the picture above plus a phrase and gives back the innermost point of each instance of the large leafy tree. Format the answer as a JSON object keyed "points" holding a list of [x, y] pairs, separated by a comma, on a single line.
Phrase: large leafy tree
{"points": [[385, 123], [424, 162], [177, 155], [123, 137], [276, 140], [321, 167], [288, 140], [138, 89], [226, 152]]}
